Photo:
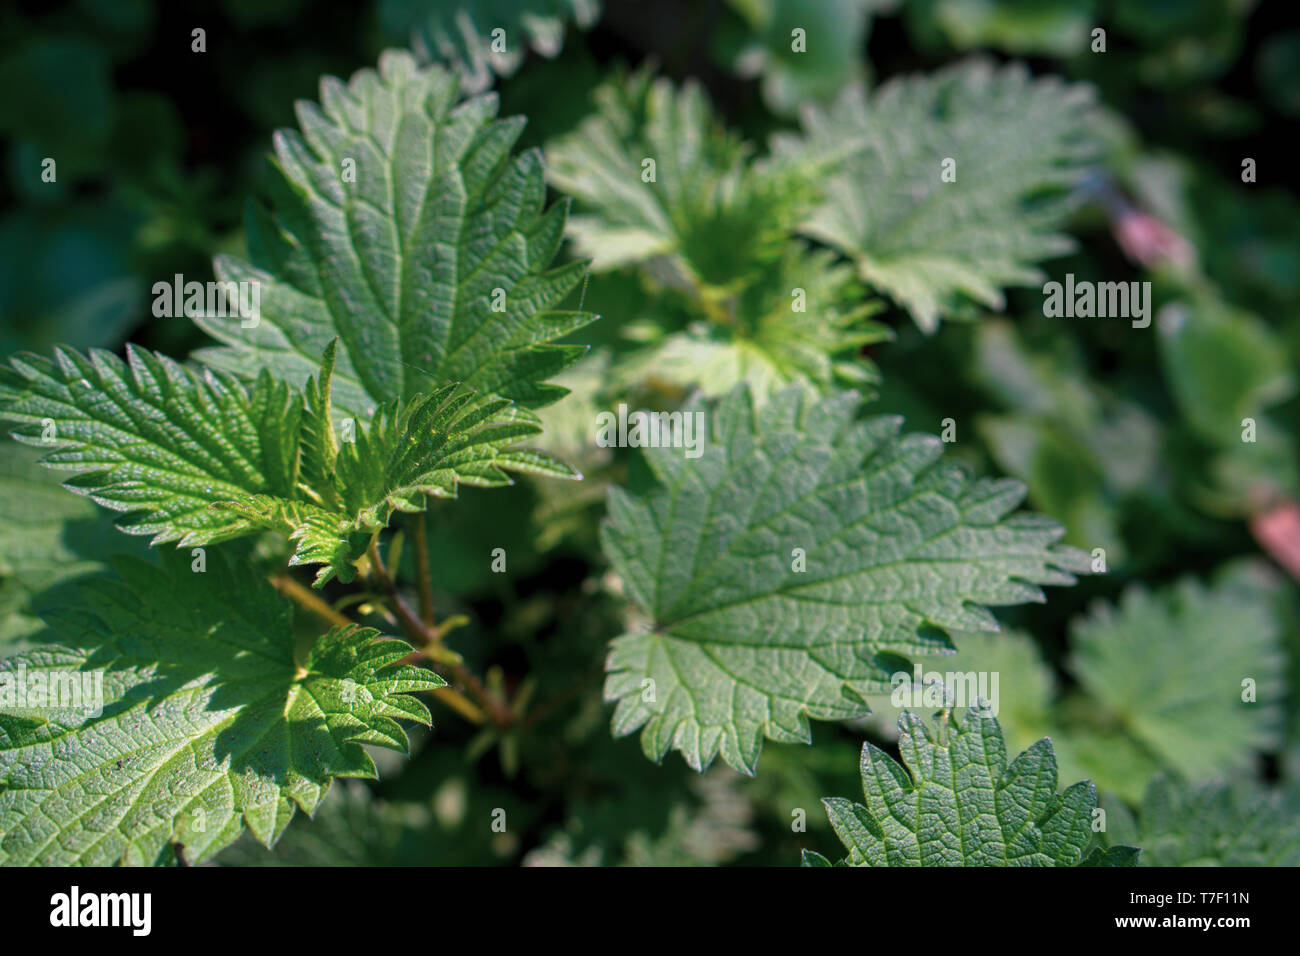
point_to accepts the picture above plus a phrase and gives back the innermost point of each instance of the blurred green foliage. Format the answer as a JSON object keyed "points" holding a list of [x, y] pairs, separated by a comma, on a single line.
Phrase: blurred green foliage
{"points": [[1130, 438]]}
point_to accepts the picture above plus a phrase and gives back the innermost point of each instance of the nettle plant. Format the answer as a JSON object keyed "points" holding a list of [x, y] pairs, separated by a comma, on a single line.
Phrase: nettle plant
{"points": [[409, 340]]}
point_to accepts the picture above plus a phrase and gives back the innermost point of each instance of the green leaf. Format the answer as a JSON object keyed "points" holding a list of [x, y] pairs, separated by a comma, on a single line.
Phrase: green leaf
{"points": [[958, 803], [1068, 479], [1058, 28], [349, 828], [1112, 758], [208, 722], [1170, 668], [835, 29], [733, 641], [711, 218], [1079, 448], [460, 32], [664, 186], [1222, 365], [1226, 369], [48, 538], [1113, 856], [1215, 824], [427, 815], [1018, 144], [152, 438], [1022, 699], [803, 323], [197, 458], [429, 261]]}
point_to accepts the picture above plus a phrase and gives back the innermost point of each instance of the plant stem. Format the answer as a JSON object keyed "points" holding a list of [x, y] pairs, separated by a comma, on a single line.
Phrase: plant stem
{"points": [[423, 578], [309, 601], [461, 704], [492, 705]]}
